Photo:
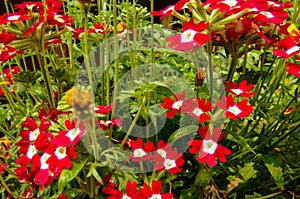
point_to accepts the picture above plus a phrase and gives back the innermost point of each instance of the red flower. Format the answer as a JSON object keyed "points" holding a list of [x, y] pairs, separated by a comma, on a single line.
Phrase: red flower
{"points": [[139, 152], [289, 48], [154, 191], [169, 10], [208, 149], [106, 124], [234, 111], [293, 69], [222, 5], [240, 90], [63, 196], [131, 188], [60, 158], [102, 109], [6, 51], [166, 158], [198, 111], [71, 135], [44, 175], [190, 37], [174, 105]]}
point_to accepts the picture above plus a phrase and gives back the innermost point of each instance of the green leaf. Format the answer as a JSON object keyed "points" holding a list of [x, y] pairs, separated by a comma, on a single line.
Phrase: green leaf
{"points": [[67, 175], [203, 178], [94, 172], [275, 170], [182, 132], [190, 193], [248, 171]]}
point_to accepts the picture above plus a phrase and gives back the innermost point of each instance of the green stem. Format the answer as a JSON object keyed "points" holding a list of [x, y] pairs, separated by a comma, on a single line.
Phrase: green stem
{"points": [[133, 122], [116, 75], [269, 196]]}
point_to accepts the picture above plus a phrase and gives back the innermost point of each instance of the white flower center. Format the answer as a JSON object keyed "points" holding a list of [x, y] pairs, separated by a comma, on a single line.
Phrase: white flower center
{"points": [[60, 152], [44, 159], [167, 10], [169, 164], [292, 50], [126, 197], [188, 36], [162, 153], [234, 109], [177, 104], [31, 151], [230, 3], [209, 146], [139, 153], [267, 14], [237, 91], [34, 134], [155, 196], [72, 134], [13, 18], [198, 111]]}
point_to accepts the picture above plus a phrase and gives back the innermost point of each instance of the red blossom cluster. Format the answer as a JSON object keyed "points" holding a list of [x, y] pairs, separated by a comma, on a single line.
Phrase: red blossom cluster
{"points": [[250, 22], [44, 154], [7, 76], [207, 149], [131, 192], [47, 21], [164, 157]]}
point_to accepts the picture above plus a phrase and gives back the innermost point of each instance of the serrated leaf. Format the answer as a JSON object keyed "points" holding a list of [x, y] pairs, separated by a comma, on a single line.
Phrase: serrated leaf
{"points": [[69, 174], [248, 171], [275, 170]]}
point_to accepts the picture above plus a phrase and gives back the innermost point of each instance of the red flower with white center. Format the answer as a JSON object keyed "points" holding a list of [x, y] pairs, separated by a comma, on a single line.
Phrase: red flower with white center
{"points": [[289, 47], [130, 192], [208, 150], [222, 5], [200, 110], [102, 109], [60, 158], [6, 51], [139, 152], [34, 135], [166, 158], [169, 10], [8, 73], [241, 90], [293, 69], [106, 124], [14, 17], [190, 37], [154, 191], [44, 175], [240, 110], [273, 17], [174, 105], [70, 136]]}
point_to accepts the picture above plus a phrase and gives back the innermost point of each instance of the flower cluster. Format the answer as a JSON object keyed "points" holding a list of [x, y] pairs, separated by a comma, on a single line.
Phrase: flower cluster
{"points": [[245, 21], [146, 191], [6, 78], [289, 47], [43, 154], [207, 149], [163, 157]]}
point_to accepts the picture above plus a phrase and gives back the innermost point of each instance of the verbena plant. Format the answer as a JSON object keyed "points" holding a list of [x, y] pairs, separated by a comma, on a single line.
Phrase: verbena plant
{"points": [[98, 101]]}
